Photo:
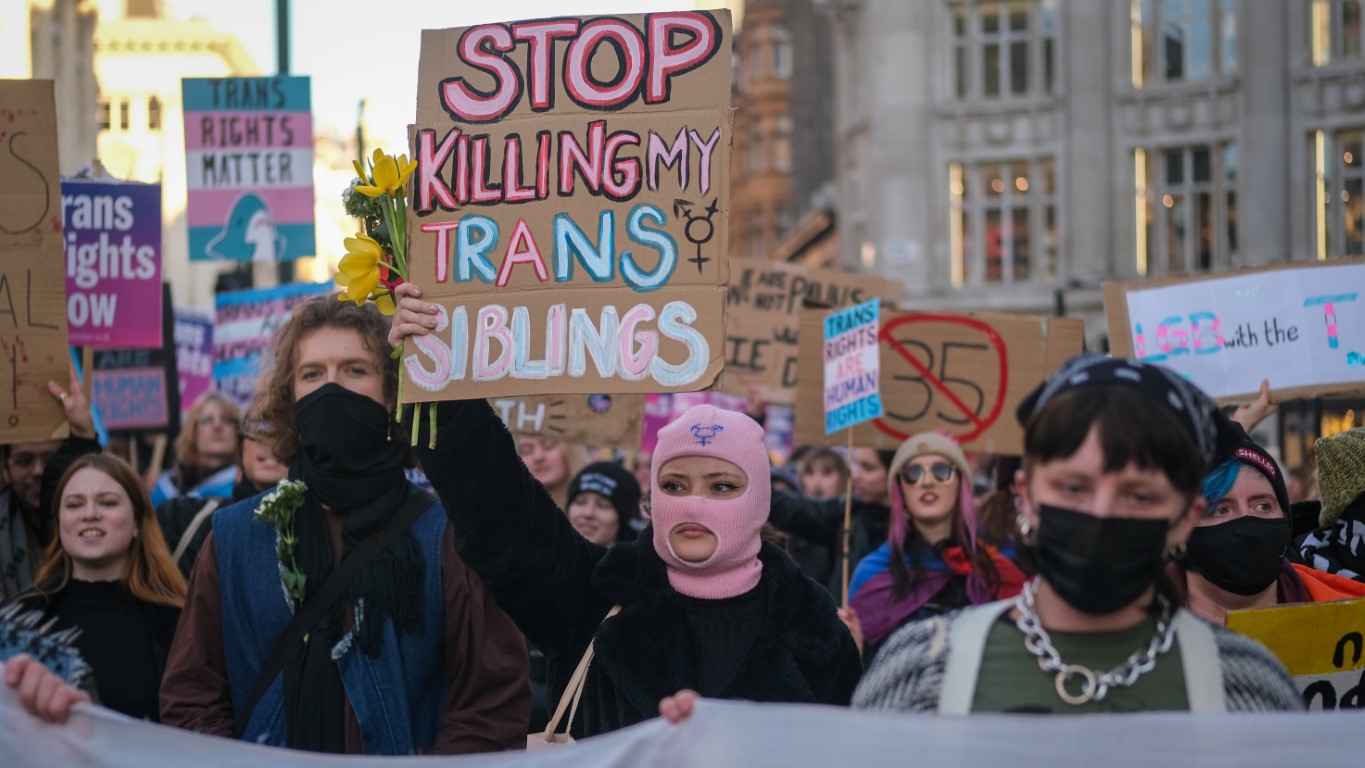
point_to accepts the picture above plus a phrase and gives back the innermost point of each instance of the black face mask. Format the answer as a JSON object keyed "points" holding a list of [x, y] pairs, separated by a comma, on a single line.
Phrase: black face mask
{"points": [[1242, 556], [345, 454], [1098, 565]]}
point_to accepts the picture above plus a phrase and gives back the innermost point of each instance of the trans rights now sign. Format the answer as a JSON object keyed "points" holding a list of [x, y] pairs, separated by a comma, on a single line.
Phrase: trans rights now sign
{"points": [[570, 206], [113, 263], [852, 365]]}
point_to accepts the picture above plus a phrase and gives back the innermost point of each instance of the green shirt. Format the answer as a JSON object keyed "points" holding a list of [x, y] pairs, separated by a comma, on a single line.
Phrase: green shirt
{"points": [[1010, 680]]}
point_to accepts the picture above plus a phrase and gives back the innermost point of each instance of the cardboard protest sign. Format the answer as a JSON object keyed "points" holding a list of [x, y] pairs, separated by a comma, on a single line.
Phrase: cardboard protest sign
{"points": [[962, 373], [134, 389], [33, 346], [852, 366], [249, 167], [1322, 645], [609, 421], [1301, 325], [193, 355], [570, 206], [763, 323], [113, 263], [243, 329]]}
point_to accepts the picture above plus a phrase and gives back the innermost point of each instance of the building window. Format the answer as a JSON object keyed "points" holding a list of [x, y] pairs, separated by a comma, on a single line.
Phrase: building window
{"points": [[153, 114], [780, 42], [124, 114], [782, 145], [1186, 208], [1334, 31], [1339, 198], [757, 230], [1003, 226], [758, 150], [1180, 40], [102, 114], [1003, 50]]}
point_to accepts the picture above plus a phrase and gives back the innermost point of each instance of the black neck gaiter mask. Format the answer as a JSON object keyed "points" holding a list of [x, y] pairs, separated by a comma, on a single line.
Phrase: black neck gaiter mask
{"points": [[1243, 556], [1098, 565], [352, 467]]}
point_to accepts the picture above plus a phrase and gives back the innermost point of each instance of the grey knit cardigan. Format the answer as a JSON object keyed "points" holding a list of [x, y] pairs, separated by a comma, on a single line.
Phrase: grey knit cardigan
{"points": [[907, 675]]}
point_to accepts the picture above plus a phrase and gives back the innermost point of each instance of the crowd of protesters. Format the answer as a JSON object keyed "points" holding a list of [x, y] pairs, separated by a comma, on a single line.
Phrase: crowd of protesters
{"points": [[286, 583]]}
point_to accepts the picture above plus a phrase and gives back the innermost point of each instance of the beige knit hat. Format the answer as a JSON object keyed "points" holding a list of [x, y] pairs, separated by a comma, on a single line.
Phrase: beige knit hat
{"points": [[1341, 472], [934, 443]]}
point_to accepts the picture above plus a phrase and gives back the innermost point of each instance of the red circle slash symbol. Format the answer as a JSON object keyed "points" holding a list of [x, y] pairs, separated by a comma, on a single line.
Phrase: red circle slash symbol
{"points": [[935, 383]]}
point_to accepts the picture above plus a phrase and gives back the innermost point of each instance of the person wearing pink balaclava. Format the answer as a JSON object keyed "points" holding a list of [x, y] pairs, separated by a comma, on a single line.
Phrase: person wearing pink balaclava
{"points": [[705, 603]]}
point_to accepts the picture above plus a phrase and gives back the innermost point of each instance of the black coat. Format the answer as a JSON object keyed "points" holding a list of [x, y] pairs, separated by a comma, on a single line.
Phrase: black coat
{"points": [[821, 522], [558, 587]]}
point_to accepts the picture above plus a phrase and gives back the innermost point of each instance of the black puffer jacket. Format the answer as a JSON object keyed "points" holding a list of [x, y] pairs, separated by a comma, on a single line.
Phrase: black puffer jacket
{"points": [[558, 586]]}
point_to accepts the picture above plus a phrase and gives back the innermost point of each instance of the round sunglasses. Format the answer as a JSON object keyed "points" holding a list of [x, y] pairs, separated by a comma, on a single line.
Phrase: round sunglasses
{"points": [[940, 471]]}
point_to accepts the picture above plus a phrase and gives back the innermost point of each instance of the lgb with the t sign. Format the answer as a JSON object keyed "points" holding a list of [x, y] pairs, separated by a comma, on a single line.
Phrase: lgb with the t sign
{"points": [[1301, 326]]}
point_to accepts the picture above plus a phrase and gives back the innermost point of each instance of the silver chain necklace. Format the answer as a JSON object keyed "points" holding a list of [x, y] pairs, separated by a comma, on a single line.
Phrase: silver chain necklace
{"points": [[1093, 686]]}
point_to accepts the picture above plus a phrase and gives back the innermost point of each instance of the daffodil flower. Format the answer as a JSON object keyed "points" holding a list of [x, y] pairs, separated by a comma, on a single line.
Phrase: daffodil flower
{"points": [[359, 268], [390, 174]]}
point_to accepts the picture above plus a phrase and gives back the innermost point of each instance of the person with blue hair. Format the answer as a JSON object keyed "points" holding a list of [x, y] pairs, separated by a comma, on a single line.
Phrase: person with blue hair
{"points": [[1237, 556]]}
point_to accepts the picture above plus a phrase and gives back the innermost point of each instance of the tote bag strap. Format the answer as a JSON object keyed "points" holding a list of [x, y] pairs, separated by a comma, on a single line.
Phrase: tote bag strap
{"points": [[568, 702]]}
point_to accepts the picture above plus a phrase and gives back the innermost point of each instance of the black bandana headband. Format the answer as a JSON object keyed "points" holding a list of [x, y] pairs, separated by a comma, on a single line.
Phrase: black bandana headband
{"points": [[1213, 432]]}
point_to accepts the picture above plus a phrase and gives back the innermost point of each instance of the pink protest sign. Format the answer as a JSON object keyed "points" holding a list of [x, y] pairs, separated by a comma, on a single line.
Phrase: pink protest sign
{"points": [[193, 354], [113, 263]]}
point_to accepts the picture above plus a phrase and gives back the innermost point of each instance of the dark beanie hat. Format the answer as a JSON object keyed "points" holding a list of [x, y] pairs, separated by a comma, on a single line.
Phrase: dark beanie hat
{"points": [[1249, 453], [618, 485]]}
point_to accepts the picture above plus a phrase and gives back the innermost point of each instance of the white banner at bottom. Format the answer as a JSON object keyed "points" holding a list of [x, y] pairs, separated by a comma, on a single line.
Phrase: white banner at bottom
{"points": [[745, 735]]}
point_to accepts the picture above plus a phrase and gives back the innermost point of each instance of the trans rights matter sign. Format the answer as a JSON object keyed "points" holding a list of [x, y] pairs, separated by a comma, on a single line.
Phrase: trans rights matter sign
{"points": [[570, 206], [852, 364], [113, 263], [249, 168]]}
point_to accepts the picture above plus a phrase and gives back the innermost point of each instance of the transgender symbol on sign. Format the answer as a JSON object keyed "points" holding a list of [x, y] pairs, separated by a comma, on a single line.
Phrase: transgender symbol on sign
{"points": [[699, 229], [249, 233]]}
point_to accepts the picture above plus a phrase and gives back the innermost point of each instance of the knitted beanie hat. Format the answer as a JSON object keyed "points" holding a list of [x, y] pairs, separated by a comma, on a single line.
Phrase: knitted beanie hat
{"points": [[1341, 472], [934, 443], [964, 528], [733, 568], [615, 483], [1249, 453]]}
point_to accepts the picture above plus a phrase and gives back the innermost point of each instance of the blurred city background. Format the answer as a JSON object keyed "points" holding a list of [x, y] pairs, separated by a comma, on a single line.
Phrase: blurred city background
{"points": [[1009, 155]]}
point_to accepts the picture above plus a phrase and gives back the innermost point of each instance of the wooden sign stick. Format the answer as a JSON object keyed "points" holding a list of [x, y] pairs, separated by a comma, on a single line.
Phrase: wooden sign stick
{"points": [[848, 517]]}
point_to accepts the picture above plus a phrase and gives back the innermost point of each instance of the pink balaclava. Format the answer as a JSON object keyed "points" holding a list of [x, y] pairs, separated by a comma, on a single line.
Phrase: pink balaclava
{"points": [[733, 569]]}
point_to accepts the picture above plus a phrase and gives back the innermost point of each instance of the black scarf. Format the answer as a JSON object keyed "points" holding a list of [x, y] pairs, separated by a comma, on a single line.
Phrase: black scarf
{"points": [[350, 465]]}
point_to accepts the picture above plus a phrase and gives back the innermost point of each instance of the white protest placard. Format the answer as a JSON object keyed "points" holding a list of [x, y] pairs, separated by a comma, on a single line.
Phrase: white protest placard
{"points": [[733, 733], [1302, 326], [852, 366]]}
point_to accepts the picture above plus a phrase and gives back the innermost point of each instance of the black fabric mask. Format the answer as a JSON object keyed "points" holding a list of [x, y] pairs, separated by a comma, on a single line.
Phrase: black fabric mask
{"points": [[1242, 556], [1098, 565], [345, 454], [350, 465]]}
